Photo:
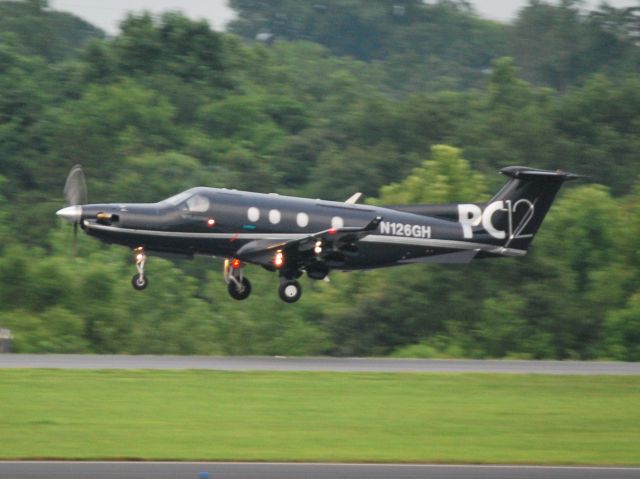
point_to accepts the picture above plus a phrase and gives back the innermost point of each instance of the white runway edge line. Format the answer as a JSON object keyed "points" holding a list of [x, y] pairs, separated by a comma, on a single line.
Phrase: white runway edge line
{"points": [[234, 363]]}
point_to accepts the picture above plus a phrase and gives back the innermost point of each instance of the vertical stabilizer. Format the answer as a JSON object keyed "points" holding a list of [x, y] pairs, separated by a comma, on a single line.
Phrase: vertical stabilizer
{"points": [[512, 217]]}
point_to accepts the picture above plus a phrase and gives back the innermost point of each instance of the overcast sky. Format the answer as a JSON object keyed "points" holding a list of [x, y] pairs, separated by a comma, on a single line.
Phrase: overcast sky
{"points": [[107, 14]]}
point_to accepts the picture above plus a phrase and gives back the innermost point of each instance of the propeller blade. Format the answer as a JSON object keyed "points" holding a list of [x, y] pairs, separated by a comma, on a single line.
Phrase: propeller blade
{"points": [[75, 188], [75, 239]]}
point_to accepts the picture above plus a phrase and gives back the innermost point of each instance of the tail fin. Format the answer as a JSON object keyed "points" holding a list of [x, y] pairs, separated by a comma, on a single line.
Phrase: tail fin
{"points": [[514, 214]]}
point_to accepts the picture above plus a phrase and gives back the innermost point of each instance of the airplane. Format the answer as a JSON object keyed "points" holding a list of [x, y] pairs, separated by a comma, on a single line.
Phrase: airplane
{"points": [[293, 236]]}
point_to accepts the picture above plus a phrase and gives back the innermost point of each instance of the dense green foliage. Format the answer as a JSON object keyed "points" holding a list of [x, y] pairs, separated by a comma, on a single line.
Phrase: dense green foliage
{"points": [[32, 28], [443, 43], [206, 415], [169, 103]]}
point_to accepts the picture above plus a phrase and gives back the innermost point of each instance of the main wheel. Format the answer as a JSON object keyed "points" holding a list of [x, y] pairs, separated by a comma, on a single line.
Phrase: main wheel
{"points": [[240, 292], [139, 282], [290, 291]]}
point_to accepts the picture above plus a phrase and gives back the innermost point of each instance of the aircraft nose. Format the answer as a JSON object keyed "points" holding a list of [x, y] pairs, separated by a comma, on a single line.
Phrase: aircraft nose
{"points": [[72, 214]]}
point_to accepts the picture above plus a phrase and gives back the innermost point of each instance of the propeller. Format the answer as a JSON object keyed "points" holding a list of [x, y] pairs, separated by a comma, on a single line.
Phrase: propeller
{"points": [[75, 193], [75, 188]]}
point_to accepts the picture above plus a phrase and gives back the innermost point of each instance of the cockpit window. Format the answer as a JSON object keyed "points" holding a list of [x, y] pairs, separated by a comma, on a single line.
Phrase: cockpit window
{"points": [[198, 204], [179, 198], [190, 201]]}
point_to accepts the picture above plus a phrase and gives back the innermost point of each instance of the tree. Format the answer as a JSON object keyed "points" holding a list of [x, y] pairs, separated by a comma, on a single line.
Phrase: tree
{"points": [[4, 217], [445, 178], [559, 46], [37, 30], [597, 127], [174, 44], [578, 245], [622, 331]]}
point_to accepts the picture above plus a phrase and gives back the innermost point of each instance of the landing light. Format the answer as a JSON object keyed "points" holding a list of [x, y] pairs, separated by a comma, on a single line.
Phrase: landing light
{"points": [[139, 252], [278, 259], [318, 248], [211, 222]]}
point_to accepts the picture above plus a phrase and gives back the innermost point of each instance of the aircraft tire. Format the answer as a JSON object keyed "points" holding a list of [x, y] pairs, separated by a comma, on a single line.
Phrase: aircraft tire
{"points": [[139, 283], [237, 293], [290, 291]]}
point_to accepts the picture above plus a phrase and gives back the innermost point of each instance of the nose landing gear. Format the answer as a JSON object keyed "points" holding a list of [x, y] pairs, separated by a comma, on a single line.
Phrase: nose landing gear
{"points": [[238, 286], [139, 280]]}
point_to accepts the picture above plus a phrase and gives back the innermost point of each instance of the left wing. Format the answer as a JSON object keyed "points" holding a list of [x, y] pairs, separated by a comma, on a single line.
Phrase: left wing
{"points": [[302, 251]]}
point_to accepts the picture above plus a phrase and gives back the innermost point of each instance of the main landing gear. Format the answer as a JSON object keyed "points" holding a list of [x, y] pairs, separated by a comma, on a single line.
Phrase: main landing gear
{"points": [[239, 286], [139, 280], [289, 290]]}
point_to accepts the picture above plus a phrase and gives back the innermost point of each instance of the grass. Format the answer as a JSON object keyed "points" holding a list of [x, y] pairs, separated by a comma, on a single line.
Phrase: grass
{"points": [[264, 416]]}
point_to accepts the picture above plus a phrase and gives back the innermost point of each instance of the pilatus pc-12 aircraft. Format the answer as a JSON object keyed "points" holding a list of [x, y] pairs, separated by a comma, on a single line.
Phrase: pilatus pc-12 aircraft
{"points": [[292, 236]]}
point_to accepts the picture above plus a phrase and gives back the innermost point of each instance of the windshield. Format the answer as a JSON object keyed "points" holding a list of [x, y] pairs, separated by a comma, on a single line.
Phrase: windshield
{"points": [[175, 200], [198, 204], [189, 200]]}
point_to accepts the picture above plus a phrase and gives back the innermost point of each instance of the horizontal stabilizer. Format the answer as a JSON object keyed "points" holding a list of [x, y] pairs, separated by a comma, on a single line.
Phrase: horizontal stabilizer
{"points": [[526, 172]]}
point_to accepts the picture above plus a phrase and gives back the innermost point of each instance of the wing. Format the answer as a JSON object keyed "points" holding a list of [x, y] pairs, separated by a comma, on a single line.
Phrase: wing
{"points": [[299, 252]]}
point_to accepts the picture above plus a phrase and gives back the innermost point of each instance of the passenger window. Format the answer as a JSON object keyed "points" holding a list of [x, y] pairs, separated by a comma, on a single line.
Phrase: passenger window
{"points": [[198, 204]]}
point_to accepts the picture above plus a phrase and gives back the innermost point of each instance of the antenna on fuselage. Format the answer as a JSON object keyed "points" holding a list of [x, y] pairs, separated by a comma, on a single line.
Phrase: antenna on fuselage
{"points": [[353, 199]]}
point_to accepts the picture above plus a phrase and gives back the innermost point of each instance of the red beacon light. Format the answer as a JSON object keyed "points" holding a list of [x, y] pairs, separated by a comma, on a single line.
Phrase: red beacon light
{"points": [[278, 259], [235, 263]]}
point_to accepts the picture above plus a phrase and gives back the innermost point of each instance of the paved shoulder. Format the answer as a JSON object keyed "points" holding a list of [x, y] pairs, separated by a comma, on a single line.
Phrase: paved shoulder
{"points": [[157, 470], [63, 361]]}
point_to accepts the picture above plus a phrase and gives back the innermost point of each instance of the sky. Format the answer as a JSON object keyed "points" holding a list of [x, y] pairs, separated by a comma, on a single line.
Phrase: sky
{"points": [[107, 14]]}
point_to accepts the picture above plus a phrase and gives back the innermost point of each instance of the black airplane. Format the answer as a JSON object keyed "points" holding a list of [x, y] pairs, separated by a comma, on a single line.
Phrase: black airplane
{"points": [[292, 236]]}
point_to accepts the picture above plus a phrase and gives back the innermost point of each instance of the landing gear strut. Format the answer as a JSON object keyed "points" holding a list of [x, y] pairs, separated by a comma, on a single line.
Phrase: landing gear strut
{"points": [[139, 280], [238, 286]]}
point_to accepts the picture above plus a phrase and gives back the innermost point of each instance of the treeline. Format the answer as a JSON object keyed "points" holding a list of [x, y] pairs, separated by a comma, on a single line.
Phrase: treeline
{"points": [[169, 103], [445, 44]]}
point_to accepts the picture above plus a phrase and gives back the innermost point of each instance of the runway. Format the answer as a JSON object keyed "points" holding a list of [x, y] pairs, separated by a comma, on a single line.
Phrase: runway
{"points": [[382, 365], [212, 470]]}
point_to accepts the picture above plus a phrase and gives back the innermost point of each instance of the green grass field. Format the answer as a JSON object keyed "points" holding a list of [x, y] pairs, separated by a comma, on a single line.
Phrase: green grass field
{"points": [[185, 415]]}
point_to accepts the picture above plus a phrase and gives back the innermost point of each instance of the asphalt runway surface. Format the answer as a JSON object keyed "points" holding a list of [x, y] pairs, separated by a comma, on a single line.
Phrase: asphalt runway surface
{"points": [[212, 470], [383, 365]]}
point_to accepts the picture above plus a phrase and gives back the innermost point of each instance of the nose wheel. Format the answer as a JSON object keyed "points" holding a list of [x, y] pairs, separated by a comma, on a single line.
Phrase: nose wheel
{"points": [[290, 291], [238, 286], [139, 280]]}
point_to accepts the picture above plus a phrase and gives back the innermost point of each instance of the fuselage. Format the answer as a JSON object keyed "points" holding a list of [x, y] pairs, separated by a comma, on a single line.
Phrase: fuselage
{"points": [[218, 222]]}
